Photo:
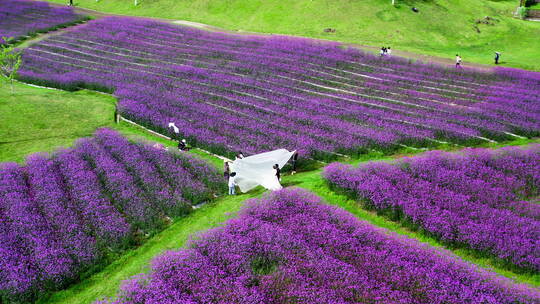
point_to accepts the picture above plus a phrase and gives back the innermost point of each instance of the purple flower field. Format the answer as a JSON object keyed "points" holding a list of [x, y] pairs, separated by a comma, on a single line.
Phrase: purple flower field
{"points": [[21, 18], [230, 92], [473, 198], [288, 247], [64, 214]]}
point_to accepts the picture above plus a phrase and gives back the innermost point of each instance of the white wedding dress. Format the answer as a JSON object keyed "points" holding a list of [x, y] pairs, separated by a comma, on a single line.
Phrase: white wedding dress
{"points": [[258, 169]]}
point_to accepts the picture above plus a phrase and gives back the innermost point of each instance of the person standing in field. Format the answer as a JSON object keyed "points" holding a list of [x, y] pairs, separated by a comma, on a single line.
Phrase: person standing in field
{"points": [[497, 56], [277, 172], [383, 51], [458, 61], [174, 131], [226, 170], [388, 51], [232, 183], [294, 161], [182, 145]]}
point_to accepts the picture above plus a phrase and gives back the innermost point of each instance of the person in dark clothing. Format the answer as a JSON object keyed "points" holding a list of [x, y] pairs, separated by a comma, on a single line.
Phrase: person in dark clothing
{"points": [[497, 56], [226, 171], [239, 155], [294, 161], [278, 172], [70, 2], [182, 145]]}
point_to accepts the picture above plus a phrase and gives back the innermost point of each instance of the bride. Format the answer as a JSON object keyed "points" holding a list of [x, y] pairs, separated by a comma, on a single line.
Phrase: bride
{"points": [[261, 169]]}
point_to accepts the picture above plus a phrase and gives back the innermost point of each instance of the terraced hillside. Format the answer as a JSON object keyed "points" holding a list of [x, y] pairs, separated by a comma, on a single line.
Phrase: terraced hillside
{"points": [[439, 228], [229, 93], [474, 29]]}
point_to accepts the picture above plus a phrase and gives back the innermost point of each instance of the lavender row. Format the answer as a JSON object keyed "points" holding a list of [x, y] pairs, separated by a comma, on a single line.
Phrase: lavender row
{"points": [[66, 214], [288, 247], [20, 18], [319, 99], [475, 198]]}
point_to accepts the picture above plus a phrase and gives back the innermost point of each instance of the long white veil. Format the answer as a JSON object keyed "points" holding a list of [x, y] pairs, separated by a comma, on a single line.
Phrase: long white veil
{"points": [[257, 169]]}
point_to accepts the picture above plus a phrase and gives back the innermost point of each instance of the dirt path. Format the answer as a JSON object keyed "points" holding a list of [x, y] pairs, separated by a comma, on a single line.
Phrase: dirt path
{"points": [[372, 49]]}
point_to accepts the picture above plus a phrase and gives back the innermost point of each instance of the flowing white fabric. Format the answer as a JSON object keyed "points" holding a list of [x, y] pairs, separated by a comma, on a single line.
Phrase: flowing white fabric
{"points": [[175, 128], [255, 170]]}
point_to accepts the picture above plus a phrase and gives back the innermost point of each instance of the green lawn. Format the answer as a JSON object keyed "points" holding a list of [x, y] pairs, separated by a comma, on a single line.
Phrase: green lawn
{"points": [[441, 28], [42, 120], [34, 119]]}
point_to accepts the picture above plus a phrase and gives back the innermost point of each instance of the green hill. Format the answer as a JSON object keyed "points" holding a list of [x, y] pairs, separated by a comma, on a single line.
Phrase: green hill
{"points": [[441, 27]]}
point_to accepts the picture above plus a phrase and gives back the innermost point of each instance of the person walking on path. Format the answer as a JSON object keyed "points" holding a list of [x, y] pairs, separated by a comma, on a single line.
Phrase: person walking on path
{"points": [[226, 170], [232, 183], [458, 61], [497, 56]]}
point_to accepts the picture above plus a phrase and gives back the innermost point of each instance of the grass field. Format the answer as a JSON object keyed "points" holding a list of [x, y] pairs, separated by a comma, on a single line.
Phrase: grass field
{"points": [[42, 120], [36, 119], [440, 28]]}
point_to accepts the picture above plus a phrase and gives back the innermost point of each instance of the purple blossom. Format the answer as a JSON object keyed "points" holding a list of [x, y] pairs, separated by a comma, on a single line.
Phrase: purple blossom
{"points": [[228, 92], [64, 214], [288, 247], [473, 198], [19, 18]]}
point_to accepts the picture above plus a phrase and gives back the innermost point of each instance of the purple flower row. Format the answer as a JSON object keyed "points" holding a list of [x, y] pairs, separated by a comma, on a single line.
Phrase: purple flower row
{"points": [[19, 18], [288, 247], [474, 198], [64, 214], [253, 94]]}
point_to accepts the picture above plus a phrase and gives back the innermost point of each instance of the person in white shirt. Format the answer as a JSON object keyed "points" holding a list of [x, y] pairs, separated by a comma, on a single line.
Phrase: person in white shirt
{"points": [[239, 155], [388, 51], [232, 183], [458, 61], [175, 132]]}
